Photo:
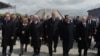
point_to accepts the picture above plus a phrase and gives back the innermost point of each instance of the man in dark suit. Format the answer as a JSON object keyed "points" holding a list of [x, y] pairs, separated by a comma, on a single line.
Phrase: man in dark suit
{"points": [[52, 32], [92, 25], [82, 36], [7, 35], [76, 21], [36, 33], [97, 39], [16, 23], [45, 39], [66, 29]]}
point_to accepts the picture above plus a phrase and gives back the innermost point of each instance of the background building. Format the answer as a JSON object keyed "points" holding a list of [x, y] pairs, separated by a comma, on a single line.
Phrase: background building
{"points": [[43, 13], [94, 12], [4, 5]]}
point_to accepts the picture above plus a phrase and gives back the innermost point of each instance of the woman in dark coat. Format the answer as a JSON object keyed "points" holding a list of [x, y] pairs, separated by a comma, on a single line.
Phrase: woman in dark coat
{"points": [[83, 36], [24, 34], [35, 33], [66, 34]]}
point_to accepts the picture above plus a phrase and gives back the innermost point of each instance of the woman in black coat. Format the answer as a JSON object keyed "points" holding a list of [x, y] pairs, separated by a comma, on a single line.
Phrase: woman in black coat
{"points": [[24, 34], [66, 34]]}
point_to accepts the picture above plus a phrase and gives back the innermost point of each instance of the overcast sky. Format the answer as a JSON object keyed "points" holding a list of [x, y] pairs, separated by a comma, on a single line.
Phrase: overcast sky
{"points": [[65, 6]]}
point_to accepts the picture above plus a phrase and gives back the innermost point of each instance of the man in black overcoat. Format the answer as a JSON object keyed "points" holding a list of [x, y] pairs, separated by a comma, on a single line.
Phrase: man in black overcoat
{"points": [[16, 24], [83, 36], [36, 33], [45, 38], [52, 32], [76, 21], [92, 25], [66, 34], [97, 39], [7, 35], [45, 31]]}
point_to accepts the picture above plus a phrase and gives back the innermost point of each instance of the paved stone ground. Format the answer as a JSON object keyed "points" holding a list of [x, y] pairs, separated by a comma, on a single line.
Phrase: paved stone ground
{"points": [[44, 50]]}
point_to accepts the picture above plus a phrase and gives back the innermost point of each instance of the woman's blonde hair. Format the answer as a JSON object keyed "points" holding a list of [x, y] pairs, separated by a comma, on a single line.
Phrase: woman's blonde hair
{"points": [[25, 20]]}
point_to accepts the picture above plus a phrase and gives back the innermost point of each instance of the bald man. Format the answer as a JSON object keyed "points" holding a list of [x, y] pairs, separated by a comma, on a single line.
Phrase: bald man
{"points": [[82, 36]]}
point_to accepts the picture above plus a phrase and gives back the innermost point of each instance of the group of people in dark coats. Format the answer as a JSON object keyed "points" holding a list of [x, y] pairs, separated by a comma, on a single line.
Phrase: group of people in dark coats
{"points": [[28, 32], [32, 31]]}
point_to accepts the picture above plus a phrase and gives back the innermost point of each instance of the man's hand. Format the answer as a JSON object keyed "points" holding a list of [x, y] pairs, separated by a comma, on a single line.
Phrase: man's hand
{"points": [[90, 37], [12, 37], [40, 38], [30, 37], [23, 32], [80, 38]]}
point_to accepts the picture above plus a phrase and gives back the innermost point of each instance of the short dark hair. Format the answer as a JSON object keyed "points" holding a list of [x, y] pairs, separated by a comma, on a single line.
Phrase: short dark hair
{"points": [[66, 16], [78, 16]]}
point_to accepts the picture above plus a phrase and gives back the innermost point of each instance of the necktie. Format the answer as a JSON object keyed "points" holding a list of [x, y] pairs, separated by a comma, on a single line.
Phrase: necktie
{"points": [[6, 21]]}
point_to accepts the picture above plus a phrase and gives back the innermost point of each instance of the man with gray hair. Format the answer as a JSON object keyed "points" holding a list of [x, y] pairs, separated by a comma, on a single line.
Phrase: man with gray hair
{"points": [[82, 36], [35, 34], [52, 32]]}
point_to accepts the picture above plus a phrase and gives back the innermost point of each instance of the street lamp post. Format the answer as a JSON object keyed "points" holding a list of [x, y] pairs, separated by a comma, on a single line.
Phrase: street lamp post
{"points": [[15, 9]]}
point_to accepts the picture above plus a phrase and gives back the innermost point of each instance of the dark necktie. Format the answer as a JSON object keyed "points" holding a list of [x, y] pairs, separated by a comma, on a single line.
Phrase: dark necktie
{"points": [[6, 21]]}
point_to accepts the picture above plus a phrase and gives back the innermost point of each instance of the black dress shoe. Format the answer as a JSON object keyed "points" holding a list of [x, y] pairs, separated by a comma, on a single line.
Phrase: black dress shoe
{"points": [[9, 54], [50, 55], [65, 55], [25, 50], [79, 55], [21, 54], [4, 55], [85, 54], [34, 54], [55, 50], [37, 55]]}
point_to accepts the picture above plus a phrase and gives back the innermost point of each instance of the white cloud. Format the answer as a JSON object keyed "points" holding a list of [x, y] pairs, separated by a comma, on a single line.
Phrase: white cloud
{"points": [[27, 6]]}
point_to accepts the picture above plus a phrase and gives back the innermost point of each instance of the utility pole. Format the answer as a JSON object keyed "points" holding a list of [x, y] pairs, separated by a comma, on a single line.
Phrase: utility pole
{"points": [[15, 9]]}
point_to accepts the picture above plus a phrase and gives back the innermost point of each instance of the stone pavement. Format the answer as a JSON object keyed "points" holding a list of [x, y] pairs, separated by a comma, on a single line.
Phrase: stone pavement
{"points": [[44, 50]]}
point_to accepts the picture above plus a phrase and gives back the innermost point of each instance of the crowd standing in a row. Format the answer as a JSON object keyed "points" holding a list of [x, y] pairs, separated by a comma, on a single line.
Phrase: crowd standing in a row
{"points": [[32, 30]]}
